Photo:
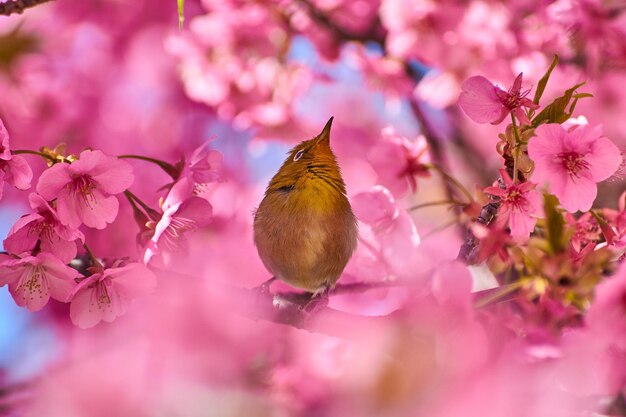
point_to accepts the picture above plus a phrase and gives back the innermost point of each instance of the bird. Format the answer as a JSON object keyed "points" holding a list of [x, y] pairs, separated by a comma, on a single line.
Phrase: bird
{"points": [[304, 228]]}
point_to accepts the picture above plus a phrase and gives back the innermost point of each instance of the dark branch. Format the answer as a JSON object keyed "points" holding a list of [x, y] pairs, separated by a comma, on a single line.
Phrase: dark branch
{"points": [[299, 310], [375, 33], [469, 250], [18, 6]]}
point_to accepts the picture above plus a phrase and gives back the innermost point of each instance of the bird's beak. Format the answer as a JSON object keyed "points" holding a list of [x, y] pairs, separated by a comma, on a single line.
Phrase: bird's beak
{"points": [[324, 137]]}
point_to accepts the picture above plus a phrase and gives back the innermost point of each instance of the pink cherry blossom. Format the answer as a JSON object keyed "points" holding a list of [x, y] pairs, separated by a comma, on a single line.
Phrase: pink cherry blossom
{"points": [[43, 226], [493, 241], [615, 231], [397, 161], [203, 167], [386, 232], [33, 280], [13, 168], [16, 172], [181, 214], [382, 73], [85, 189], [572, 162], [607, 315], [585, 228], [519, 206], [484, 102], [105, 295], [5, 151]]}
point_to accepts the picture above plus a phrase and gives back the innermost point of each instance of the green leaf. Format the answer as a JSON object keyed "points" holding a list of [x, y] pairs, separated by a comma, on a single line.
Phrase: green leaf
{"points": [[555, 225], [181, 13], [556, 112], [541, 86]]}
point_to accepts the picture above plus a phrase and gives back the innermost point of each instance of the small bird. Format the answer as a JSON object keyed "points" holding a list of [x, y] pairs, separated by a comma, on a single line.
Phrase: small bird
{"points": [[304, 228]]}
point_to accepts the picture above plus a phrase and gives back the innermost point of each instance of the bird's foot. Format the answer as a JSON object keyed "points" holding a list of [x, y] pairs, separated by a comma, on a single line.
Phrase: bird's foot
{"points": [[318, 300], [265, 287]]}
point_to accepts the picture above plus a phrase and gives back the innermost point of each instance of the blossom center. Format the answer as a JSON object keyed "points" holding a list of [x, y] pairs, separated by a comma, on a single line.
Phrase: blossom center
{"points": [[514, 197], [34, 282], [82, 187], [573, 162], [174, 232], [511, 99], [101, 295], [412, 168], [42, 229]]}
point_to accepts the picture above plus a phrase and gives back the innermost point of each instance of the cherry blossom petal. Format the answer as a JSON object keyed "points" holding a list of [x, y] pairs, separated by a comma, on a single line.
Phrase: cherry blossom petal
{"points": [[117, 304], [197, 210], [5, 152], [60, 276], [99, 211], [67, 208], [85, 311], [180, 191], [63, 249], [2, 176], [19, 173], [399, 243], [38, 203], [376, 208], [543, 147], [521, 224], [7, 272], [577, 195], [605, 159], [68, 233], [117, 176], [52, 181], [21, 238], [521, 116], [29, 290], [479, 100], [134, 280], [90, 162], [381, 157]]}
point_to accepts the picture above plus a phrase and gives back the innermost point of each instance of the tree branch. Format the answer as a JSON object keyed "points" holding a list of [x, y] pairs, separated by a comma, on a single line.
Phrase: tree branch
{"points": [[375, 33], [18, 6]]}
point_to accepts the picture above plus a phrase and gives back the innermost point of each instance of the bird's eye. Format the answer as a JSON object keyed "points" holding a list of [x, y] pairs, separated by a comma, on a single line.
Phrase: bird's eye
{"points": [[298, 155]]}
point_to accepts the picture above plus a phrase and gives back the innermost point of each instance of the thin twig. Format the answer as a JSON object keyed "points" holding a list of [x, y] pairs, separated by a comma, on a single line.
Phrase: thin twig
{"points": [[18, 6]]}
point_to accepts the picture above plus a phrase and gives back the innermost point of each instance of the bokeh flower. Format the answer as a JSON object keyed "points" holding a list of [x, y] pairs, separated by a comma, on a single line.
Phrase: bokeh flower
{"points": [[181, 214], [398, 161], [386, 230], [105, 295]]}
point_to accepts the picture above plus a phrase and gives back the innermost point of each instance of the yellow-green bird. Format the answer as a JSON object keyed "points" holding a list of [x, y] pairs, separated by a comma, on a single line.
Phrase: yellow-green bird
{"points": [[304, 229]]}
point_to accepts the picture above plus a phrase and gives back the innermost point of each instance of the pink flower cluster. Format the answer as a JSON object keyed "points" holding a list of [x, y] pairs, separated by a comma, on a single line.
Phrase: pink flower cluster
{"points": [[83, 191], [568, 161], [398, 161]]}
